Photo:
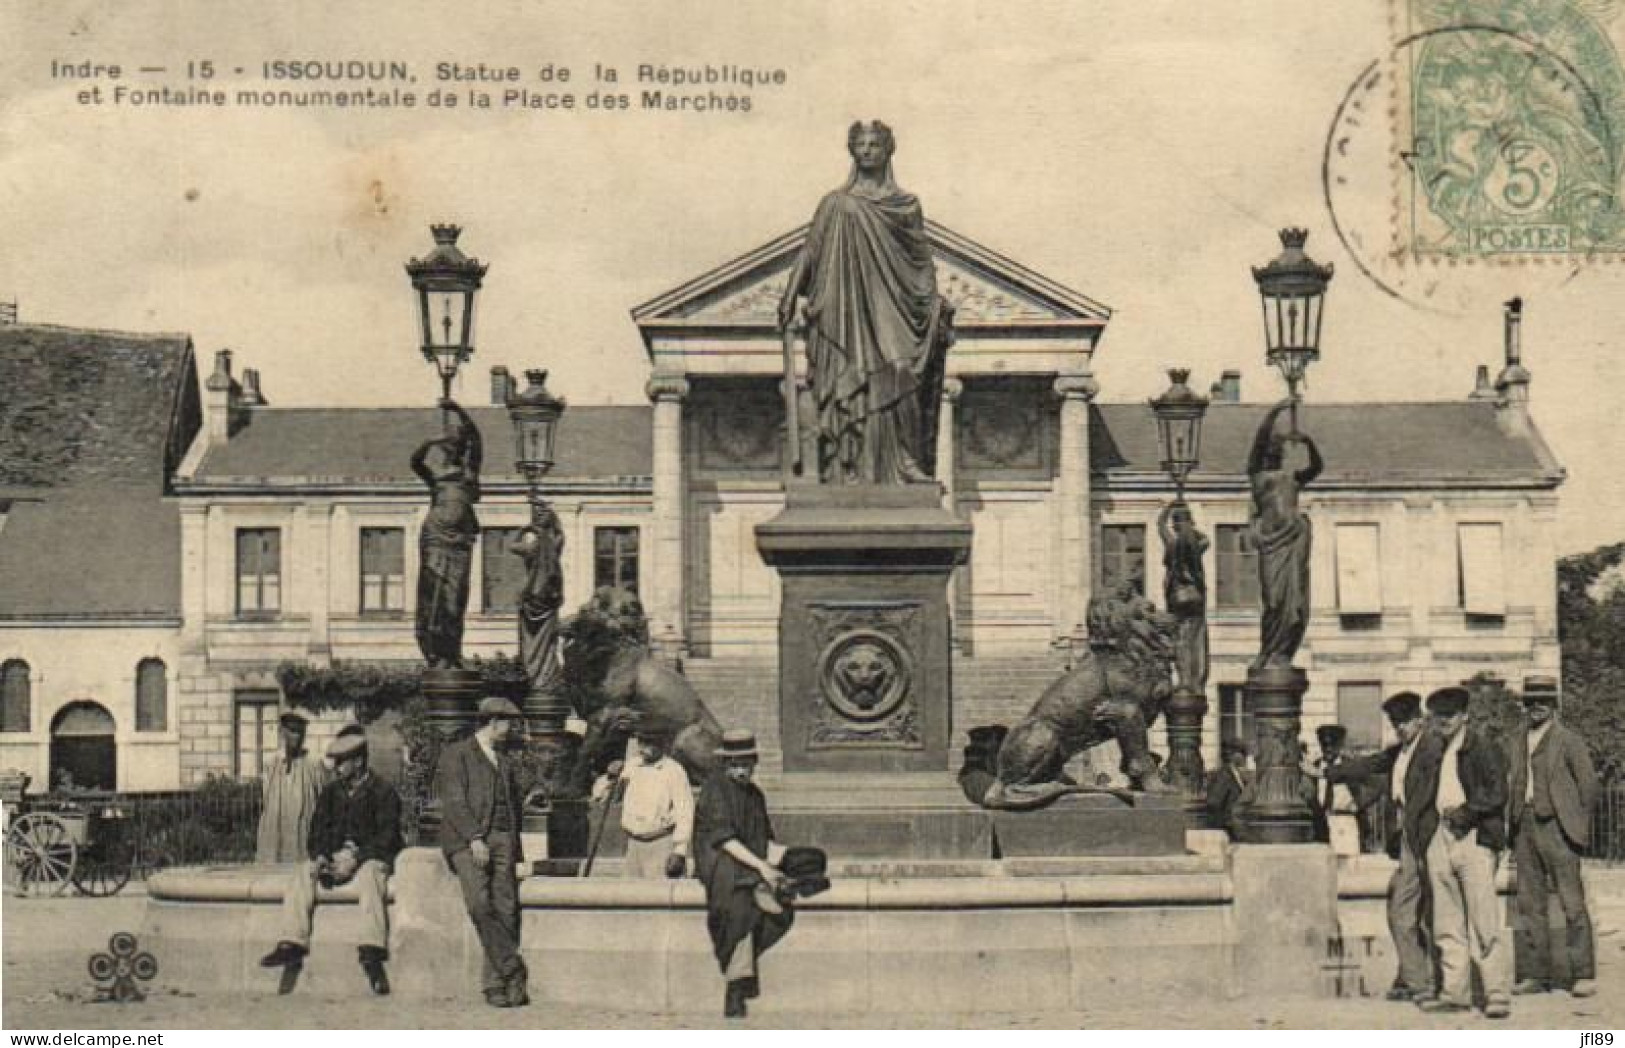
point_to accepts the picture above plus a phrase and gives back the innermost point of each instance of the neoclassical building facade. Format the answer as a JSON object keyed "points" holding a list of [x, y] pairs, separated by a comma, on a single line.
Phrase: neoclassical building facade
{"points": [[1434, 553]]}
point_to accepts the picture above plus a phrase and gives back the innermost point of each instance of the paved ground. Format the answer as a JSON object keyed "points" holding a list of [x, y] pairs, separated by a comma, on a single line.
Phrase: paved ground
{"points": [[46, 987]]}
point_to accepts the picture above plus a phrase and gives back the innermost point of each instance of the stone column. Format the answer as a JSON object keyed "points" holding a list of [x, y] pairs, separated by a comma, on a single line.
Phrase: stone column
{"points": [[667, 615], [194, 561], [1072, 496], [952, 389], [316, 577]]}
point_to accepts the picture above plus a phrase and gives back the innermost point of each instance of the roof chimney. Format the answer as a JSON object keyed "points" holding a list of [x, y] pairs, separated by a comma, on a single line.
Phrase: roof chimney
{"points": [[222, 399], [1482, 389], [252, 397], [1512, 385], [501, 386], [1228, 388]]}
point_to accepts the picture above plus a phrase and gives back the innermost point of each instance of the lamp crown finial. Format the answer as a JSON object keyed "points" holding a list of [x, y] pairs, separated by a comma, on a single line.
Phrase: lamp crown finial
{"points": [[1178, 376], [536, 376], [445, 233], [1294, 236]]}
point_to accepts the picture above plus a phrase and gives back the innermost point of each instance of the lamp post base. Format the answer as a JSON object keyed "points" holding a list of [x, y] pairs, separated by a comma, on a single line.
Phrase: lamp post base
{"points": [[451, 697], [1279, 813], [1184, 713]]}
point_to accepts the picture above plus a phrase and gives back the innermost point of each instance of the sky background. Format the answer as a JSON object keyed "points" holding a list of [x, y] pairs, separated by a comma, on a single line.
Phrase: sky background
{"points": [[1141, 152]]}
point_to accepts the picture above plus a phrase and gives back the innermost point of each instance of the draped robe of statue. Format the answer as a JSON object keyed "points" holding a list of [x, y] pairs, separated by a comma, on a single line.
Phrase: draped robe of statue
{"points": [[877, 335], [1282, 537], [1185, 594], [540, 602], [446, 543], [289, 793]]}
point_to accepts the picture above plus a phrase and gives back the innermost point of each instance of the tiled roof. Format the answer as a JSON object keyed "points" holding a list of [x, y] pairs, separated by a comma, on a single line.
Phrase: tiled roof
{"points": [[1377, 441], [376, 444], [93, 551], [80, 406]]}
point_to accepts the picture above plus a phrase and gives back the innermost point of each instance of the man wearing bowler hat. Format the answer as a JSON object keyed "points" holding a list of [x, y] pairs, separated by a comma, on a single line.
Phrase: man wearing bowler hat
{"points": [[657, 805], [355, 834], [1551, 795], [1408, 918], [479, 833], [747, 894], [293, 781], [1455, 809], [1230, 789]]}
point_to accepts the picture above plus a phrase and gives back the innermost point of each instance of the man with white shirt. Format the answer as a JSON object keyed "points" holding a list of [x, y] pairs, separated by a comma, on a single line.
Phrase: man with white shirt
{"points": [[1553, 791], [1455, 802], [657, 807], [1407, 889], [479, 833]]}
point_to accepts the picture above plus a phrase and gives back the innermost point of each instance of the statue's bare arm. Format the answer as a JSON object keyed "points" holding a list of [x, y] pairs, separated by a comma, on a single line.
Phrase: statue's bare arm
{"points": [[1307, 474], [1261, 439]]}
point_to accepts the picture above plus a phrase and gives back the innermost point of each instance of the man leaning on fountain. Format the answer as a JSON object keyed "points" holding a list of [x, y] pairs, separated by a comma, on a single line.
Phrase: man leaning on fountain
{"points": [[355, 835]]}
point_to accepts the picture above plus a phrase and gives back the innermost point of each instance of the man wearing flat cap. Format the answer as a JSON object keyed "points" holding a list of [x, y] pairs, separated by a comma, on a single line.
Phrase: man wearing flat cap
{"points": [[1336, 801], [736, 853], [1408, 918], [657, 805], [355, 834], [480, 815], [1455, 802], [292, 783], [1552, 793], [1230, 789]]}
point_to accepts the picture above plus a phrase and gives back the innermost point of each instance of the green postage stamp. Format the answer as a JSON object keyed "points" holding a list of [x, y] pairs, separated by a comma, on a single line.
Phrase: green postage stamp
{"points": [[1510, 124]]}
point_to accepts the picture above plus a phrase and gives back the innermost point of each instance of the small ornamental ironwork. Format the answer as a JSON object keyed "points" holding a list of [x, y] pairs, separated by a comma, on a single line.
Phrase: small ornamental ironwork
{"points": [[118, 972]]}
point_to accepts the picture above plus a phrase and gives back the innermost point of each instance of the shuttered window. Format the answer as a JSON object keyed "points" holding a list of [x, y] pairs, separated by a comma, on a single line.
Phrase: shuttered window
{"points": [[259, 571], [1482, 572], [1359, 570]]}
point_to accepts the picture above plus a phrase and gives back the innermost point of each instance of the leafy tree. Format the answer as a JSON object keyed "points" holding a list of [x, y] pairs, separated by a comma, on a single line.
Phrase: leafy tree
{"points": [[1591, 628]]}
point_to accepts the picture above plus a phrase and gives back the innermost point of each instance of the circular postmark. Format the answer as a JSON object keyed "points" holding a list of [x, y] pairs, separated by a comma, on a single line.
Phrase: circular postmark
{"points": [[1479, 142]]}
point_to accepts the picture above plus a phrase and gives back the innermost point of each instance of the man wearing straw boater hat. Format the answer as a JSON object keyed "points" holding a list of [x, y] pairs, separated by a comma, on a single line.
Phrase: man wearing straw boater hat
{"points": [[1551, 795], [747, 893], [355, 834], [479, 833]]}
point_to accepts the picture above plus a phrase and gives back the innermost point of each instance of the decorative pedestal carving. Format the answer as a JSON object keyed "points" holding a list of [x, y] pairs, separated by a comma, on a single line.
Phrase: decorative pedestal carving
{"points": [[1279, 814], [450, 698], [864, 666], [1184, 713]]}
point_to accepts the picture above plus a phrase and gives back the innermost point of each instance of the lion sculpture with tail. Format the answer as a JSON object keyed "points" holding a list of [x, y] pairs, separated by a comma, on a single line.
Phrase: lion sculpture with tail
{"points": [[1116, 692]]}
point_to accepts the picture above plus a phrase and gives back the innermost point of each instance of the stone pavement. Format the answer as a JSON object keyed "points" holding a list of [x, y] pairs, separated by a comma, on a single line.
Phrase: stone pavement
{"points": [[48, 941]]}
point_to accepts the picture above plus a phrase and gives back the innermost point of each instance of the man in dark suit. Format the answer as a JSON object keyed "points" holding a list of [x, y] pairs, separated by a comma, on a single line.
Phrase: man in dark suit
{"points": [[1229, 789], [1407, 889], [355, 834], [1455, 801], [1552, 793], [479, 832]]}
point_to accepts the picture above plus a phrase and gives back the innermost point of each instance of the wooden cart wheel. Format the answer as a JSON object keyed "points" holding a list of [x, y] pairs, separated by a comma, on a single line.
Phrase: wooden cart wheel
{"points": [[104, 867], [40, 853]]}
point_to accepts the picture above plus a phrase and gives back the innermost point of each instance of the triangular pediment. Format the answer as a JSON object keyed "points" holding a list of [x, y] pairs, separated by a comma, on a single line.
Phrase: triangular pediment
{"points": [[986, 289]]}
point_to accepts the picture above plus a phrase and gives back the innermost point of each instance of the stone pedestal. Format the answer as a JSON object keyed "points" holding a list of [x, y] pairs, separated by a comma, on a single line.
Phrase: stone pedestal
{"points": [[1090, 824], [1286, 911], [1279, 815], [864, 654]]}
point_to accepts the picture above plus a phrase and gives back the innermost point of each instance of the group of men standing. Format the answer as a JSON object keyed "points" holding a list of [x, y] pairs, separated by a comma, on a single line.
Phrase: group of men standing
{"points": [[343, 827], [1459, 799]]}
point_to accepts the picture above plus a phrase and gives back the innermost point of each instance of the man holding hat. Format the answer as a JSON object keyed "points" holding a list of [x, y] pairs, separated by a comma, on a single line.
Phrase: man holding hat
{"points": [[1552, 793], [657, 806], [479, 832], [292, 783], [1408, 921], [355, 834], [736, 854], [1455, 808], [1230, 788]]}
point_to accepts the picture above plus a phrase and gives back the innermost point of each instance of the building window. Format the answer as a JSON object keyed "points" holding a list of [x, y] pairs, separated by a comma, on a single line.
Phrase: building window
{"points": [[503, 570], [615, 559], [1234, 723], [1237, 563], [254, 732], [383, 570], [1122, 557], [1359, 573], [259, 571], [1359, 709], [151, 696], [16, 697], [1481, 581]]}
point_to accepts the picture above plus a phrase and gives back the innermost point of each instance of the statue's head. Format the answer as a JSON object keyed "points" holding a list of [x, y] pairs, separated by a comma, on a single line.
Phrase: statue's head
{"points": [[871, 144], [1180, 516], [1274, 452]]}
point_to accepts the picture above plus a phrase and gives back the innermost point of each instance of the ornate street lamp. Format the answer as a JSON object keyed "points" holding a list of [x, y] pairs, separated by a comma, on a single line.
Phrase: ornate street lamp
{"points": [[535, 414], [1293, 290], [446, 281], [1179, 412]]}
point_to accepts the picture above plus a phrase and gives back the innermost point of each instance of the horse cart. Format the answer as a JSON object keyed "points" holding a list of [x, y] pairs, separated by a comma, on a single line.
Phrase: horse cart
{"points": [[61, 839]]}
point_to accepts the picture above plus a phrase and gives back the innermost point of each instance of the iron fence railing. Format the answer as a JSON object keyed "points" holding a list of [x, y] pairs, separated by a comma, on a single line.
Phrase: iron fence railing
{"points": [[215, 824], [1608, 825]]}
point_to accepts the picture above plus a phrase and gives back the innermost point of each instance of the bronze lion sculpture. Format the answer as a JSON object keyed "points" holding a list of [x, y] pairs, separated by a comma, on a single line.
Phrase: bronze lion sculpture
{"points": [[1116, 692]]}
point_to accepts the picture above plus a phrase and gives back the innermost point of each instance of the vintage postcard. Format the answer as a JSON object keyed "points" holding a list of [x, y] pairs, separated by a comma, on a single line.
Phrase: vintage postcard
{"points": [[1047, 514]]}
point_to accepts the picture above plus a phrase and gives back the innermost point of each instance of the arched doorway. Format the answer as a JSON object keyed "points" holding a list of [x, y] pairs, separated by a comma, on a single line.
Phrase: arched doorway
{"points": [[83, 754]]}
